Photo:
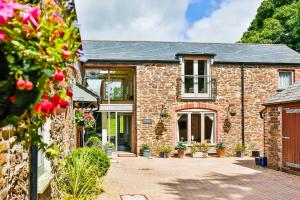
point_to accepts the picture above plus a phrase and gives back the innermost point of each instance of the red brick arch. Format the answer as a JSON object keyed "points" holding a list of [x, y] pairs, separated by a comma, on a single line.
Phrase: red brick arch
{"points": [[202, 105], [197, 105]]}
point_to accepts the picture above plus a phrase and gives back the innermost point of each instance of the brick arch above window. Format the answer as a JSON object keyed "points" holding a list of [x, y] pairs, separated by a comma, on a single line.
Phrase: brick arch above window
{"points": [[197, 105]]}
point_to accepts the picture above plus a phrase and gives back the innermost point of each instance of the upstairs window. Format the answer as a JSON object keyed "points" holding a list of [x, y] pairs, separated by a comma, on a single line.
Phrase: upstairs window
{"points": [[196, 79], [285, 79]]}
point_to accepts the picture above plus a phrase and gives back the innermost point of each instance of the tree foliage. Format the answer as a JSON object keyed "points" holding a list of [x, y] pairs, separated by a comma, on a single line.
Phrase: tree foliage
{"points": [[276, 22]]}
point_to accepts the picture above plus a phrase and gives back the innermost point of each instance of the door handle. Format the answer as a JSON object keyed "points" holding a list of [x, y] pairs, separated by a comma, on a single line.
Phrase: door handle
{"points": [[285, 137]]}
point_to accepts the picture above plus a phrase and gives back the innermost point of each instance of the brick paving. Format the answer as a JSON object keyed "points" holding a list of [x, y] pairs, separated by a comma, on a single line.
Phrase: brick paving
{"points": [[190, 179]]}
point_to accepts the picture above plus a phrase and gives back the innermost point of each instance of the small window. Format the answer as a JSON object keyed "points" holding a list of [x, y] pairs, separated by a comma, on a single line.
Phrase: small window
{"points": [[285, 79], [196, 79]]}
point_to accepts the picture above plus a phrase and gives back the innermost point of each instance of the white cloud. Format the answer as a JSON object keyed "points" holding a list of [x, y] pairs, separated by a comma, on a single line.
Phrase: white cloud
{"points": [[162, 20], [132, 19], [225, 24]]}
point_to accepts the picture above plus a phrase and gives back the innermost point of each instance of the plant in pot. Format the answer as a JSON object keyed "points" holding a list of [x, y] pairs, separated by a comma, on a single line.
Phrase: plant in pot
{"points": [[109, 148], [254, 149], [181, 148], [200, 150], [220, 149], [146, 150], [240, 150], [164, 151]]}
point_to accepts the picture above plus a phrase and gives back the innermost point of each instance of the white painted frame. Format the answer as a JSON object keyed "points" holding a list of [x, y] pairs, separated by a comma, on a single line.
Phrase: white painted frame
{"points": [[285, 71], [196, 95], [189, 113]]}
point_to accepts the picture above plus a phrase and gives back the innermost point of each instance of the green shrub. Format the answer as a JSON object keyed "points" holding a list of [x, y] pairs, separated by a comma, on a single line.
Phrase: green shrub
{"points": [[181, 146], [165, 149], [93, 141], [145, 146], [109, 145], [220, 146], [96, 156], [239, 148], [79, 178]]}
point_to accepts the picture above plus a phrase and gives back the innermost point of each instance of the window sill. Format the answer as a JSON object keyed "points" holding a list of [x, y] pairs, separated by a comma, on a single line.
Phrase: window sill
{"points": [[203, 97], [44, 181]]}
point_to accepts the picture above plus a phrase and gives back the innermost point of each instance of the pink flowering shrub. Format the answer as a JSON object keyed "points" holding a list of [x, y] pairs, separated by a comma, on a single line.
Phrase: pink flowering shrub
{"points": [[38, 45]]}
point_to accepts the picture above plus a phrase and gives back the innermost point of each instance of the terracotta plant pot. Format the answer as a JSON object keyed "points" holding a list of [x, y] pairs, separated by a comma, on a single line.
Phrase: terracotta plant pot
{"points": [[220, 153], [180, 153]]}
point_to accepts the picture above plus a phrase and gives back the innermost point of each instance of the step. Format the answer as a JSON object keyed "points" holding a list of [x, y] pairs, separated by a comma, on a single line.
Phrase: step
{"points": [[126, 154]]}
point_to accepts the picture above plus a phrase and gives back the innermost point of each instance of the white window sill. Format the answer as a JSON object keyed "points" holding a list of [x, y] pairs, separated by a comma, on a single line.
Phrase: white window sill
{"points": [[199, 97], [44, 181]]}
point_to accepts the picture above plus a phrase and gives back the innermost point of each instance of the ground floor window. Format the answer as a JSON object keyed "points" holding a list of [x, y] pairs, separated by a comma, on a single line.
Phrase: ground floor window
{"points": [[196, 126]]}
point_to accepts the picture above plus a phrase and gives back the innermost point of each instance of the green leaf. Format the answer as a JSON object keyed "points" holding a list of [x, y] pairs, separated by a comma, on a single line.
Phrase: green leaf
{"points": [[48, 72], [10, 59]]}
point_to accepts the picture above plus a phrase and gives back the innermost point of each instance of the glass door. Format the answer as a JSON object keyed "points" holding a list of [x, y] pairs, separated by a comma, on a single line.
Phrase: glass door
{"points": [[124, 131]]}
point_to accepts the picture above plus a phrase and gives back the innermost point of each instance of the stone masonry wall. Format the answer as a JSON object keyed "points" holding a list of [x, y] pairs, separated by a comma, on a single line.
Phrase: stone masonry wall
{"points": [[14, 159], [272, 136], [160, 84]]}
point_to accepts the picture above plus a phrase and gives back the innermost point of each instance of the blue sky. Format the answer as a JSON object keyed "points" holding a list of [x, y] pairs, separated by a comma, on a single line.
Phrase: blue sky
{"points": [[198, 9], [165, 20]]}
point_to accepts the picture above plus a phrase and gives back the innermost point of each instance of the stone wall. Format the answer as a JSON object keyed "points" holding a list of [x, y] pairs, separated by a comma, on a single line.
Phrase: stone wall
{"points": [[272, 136], [14, 160], [160, 84]]}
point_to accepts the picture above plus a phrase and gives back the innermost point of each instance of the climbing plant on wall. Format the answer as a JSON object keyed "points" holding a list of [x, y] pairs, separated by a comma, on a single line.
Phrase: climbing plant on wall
{"points": [[38, 46]]}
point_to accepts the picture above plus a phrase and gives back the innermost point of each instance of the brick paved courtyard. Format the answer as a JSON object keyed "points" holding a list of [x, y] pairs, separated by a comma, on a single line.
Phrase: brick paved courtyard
{"points": [[189, 179]]}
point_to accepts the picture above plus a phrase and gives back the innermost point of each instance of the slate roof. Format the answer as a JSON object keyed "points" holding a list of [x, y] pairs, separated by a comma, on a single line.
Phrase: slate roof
{"points": [[289, 95], [148, 51]]}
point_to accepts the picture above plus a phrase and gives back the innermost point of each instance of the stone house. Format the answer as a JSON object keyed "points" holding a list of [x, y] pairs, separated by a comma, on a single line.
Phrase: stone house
{"points": [[282, 129], [163, 92]]}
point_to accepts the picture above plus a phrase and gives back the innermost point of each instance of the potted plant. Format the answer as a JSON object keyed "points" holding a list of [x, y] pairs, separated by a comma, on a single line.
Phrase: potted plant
{"points": [[164, 151], [240, 150], [220, 149], [254, 149], [181, 148], [146, 150], [200, 150], [109, 148]]}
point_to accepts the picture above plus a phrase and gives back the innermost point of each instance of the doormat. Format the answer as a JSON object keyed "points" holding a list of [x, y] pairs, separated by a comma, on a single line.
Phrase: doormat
{"points": [[133, 197]]}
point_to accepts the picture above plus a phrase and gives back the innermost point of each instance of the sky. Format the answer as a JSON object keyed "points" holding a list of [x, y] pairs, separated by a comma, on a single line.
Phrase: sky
{"points": [[165, 20]]}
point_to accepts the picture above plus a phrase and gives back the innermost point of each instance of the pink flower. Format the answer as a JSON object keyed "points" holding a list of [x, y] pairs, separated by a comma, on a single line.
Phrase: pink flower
{"points": [[31, 15], [5, 14], [66, 54], [3, 36]]}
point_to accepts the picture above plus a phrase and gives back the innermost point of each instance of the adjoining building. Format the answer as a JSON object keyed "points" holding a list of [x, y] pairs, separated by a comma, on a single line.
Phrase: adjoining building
{"points": [[282, 129]]}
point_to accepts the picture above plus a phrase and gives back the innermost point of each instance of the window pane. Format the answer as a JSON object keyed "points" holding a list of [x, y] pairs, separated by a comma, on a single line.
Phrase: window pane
{"points": [[202, 67], [209, 134], [188, 67], [202, 84], [182, 126], [196, 127], [189, 85], [285, 79]]}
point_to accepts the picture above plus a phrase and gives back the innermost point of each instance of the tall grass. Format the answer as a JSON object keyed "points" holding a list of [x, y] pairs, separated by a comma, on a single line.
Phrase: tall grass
{"points": [[80, 178]]}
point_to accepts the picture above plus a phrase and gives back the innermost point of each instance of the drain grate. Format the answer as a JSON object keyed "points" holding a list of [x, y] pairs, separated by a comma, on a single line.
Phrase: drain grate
{"points": [[133, 197]]}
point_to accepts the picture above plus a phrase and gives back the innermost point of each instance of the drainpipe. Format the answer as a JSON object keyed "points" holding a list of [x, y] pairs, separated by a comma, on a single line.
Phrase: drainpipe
{"points": [[33, 167], [243, 104]]}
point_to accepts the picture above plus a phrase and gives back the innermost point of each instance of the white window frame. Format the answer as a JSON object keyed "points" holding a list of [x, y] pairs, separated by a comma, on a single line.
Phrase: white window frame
{"points": [[44, 165], [189, 113], [284, 71], [196, 94]]}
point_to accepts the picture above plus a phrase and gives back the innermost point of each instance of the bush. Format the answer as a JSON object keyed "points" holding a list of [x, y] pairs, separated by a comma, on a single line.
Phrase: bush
{"points": [[239, 148], [93, 141], [109, 145], [181, 146], [145, 146], [96, 157], [165, 149], [79, 179], [220, 146]]}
